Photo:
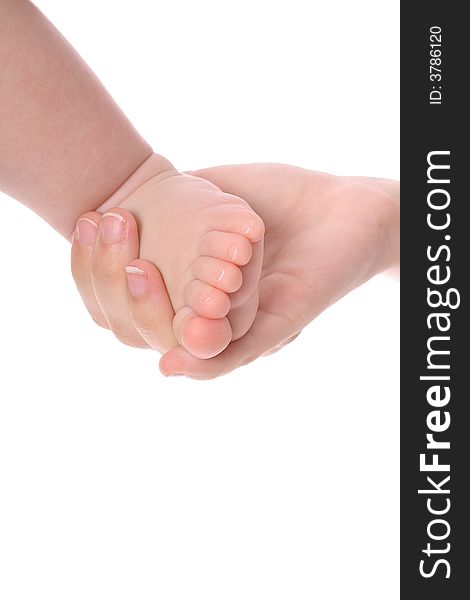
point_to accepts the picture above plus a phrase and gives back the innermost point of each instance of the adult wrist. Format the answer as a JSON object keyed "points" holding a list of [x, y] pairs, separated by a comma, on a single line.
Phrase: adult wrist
{"points": [[390, 264]]}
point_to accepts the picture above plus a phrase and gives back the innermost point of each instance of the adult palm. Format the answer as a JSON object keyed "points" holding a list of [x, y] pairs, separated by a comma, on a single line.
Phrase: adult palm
{"points": [[325, 235]]}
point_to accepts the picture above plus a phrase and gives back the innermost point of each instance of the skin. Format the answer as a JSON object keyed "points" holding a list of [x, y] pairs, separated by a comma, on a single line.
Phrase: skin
{"points": [[46, 89], [67, 148], [325, 236], [208, 247]]}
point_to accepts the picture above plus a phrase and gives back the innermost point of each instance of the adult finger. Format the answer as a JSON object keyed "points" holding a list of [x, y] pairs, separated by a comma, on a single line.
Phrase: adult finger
{"points": [[265, 335], [116, 245], [83, 242], [275, 324], [149, 305]]}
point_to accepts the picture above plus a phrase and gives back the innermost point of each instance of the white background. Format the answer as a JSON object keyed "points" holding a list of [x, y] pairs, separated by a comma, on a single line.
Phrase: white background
{"points": [[280, 480]]}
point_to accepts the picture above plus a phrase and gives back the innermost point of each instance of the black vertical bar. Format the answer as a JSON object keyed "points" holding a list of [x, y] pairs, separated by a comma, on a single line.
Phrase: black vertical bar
{"points": [[440, 127]]}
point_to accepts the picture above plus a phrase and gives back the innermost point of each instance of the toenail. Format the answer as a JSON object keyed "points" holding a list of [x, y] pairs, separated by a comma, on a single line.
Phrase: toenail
{"points": [[86, 232], [248, 226], [206, 297], [218, 274], [232, 252], [112, 227]]}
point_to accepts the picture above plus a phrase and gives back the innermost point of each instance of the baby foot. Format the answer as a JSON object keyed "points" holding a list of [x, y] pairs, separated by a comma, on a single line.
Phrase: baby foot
{"points": [[208, 245]]}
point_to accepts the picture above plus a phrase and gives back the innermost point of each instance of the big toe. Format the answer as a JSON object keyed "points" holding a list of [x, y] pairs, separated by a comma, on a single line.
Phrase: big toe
{"points": [[201, 337]]}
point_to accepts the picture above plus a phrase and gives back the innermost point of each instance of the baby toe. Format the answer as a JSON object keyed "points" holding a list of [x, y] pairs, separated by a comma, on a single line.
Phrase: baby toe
{"points": [[231, 247], [240, 220], [201, 337], [251, 277], [207, 300], [220, 274]]}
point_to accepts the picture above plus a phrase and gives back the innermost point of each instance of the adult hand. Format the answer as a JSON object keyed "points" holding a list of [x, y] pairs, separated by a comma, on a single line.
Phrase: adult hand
{"points": [[325, 235], [141, 318]]}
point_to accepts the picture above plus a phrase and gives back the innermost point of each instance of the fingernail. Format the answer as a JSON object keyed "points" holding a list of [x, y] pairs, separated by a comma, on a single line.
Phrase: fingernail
{"points": [[86, 232], [137, 281], [112, 227]]}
